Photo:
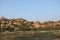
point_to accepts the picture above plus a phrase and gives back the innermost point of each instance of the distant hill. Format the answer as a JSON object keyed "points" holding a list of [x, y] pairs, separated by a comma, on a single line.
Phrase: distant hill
{"points": [[20, 24]]}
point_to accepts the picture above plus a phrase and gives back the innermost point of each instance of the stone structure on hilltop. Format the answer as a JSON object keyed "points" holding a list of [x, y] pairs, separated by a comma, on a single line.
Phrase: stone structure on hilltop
{"points": [[37, 24]]}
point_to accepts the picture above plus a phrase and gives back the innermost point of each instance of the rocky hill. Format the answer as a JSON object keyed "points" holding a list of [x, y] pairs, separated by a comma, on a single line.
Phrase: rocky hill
{"points": [[20, 24]]}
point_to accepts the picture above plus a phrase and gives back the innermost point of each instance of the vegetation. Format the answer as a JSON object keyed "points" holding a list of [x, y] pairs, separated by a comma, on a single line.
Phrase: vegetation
{"points": [[20, 24]]}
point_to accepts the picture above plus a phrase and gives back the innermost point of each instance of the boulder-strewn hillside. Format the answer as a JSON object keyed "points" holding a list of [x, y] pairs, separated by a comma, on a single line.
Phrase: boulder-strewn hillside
{"points": [[20, 24]]}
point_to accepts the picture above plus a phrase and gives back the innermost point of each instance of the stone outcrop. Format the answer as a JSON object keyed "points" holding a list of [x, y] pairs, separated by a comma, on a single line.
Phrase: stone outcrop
{"points": [[20, 23]]}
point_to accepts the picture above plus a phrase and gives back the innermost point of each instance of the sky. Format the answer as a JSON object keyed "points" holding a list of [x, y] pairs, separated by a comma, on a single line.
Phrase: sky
{"points": [[42, 10]]}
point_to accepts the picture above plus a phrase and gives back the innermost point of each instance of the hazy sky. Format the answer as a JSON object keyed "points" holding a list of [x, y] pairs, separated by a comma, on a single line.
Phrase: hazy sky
{"points": [[42, 10]]}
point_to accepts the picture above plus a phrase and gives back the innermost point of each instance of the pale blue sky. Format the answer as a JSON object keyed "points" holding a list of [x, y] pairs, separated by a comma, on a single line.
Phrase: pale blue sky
{"points": [[42, 10]]}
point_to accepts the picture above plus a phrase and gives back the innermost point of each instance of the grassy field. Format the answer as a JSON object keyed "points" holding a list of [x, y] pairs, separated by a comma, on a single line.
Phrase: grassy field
{"points": [[29, 35]]}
